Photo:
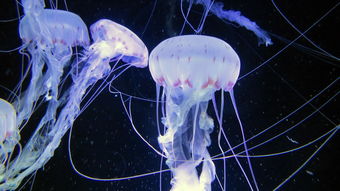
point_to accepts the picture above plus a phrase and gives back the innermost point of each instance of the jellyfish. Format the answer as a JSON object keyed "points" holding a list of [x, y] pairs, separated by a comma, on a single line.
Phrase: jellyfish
{"points": [[274, 82], [9, 136], [49, 35], [191, 68]]}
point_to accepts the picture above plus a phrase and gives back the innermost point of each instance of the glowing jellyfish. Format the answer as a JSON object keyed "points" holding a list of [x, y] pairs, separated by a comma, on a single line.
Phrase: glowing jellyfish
{"points": [[49, 36], [113, 40], [290, 77], [9, 135], [191, 68]]}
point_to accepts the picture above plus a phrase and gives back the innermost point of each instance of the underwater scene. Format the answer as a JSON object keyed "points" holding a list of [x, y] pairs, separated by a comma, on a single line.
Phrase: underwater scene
{"points": [[179, 95]]}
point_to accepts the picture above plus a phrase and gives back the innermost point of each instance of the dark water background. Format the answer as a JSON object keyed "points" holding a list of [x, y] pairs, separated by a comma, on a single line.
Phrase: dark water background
{"points": [[104, 145]]}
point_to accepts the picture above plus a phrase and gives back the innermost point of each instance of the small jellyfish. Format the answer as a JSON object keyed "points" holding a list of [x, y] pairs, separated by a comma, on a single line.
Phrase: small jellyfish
{"points": [[113, 40], [9, 132]]}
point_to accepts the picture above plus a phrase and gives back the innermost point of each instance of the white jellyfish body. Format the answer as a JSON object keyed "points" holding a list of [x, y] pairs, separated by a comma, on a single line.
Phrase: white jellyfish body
{"points": [[114, 40], [195, 61], [7, 120], [54, 27], [48, 35], [191, 68], [9, 132]]}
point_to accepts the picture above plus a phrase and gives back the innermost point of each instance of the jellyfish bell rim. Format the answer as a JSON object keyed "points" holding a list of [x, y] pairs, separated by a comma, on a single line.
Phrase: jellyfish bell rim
{"points": [[136, 61], [157, 64]]}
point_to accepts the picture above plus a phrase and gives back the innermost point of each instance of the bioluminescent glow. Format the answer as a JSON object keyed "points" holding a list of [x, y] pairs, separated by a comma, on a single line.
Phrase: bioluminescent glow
{"points": [[241, 96]]}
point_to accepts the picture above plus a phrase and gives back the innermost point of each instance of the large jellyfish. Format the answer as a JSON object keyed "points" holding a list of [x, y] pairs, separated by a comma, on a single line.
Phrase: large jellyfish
{"points": [[191, 68], [49, 35]]}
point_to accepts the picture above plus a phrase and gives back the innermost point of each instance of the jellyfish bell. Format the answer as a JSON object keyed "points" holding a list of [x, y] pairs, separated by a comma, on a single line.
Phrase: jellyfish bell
{"points": [[53, 27], [116, 41], [191, 68], [9, 132], [195, 62]]}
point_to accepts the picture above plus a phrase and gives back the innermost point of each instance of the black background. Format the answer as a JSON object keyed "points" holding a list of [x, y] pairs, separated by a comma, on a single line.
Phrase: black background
{"points": [[104, 145]]}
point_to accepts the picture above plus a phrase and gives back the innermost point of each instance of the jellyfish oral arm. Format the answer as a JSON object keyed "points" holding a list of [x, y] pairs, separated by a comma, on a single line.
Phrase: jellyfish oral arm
{"points": [[187, 118], [41, 147], [62, 110], [236, 17], [216, 8]]}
